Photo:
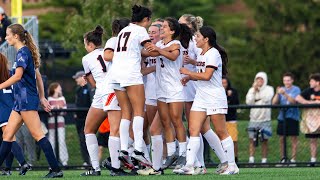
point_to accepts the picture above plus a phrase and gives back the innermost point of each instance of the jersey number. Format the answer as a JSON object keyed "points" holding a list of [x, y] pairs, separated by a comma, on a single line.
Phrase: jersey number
{"points": [[104, 67], [126, 36]]}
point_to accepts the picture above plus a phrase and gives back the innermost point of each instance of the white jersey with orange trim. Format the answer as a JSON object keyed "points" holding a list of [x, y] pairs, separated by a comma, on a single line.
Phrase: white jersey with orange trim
{"points": [[168, 75], [150, 82], [126, 66], [210, 93], [94, 64], [190, 89], [110, 45]]}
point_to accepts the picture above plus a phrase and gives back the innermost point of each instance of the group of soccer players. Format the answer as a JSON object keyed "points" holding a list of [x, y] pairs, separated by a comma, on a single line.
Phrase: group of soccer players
{"points": [[143, 84]]}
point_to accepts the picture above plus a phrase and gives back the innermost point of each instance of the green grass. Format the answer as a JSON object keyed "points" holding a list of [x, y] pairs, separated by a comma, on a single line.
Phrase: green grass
{"points": [[245, 173], [303, 152]]}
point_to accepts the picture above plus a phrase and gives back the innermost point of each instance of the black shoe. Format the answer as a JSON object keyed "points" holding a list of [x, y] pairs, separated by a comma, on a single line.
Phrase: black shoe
{"points": [[107, 163], [24, 169], [118, 172], [169, 161], [91, 172], [6, 172], [133, 172], [53, 174]]}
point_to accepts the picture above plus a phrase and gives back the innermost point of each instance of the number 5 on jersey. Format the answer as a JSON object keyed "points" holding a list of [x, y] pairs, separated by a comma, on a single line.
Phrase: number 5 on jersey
{"points": [[124, 38]]}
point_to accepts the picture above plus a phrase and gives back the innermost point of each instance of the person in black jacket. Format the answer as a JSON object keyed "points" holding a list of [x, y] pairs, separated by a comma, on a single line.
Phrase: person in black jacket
{"points": [[231, 117], [4, 23], [82, 100]]}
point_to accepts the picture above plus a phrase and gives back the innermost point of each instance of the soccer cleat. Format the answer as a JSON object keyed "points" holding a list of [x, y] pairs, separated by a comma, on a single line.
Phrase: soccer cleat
{"points": [[169, 161], [228, 172], [6, 172], [107, 163], [222, 167], [118, 172], [24, 169], [200, 170], [236, 169], [150, 171], [53, 174], [126, 160], [91, 172], [181, 161], [187, 170], [139, 156]]}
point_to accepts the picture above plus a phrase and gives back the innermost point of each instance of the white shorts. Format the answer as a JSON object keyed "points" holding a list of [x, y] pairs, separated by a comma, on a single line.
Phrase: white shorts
{"points": [[111, 103], [151, 102], [121, 86], [99, 101], [209, 111], [170, 100], [189, 91]]}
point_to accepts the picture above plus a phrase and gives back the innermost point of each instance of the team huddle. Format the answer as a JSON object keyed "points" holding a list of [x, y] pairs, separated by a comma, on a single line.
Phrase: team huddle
{"points": [[144, 82]]}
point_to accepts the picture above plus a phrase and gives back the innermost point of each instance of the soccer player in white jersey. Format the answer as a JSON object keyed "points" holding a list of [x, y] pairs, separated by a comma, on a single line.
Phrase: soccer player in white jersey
{"points": [[95, 68], [170, 92], [210, 99], [126, 79], [111, 104]]}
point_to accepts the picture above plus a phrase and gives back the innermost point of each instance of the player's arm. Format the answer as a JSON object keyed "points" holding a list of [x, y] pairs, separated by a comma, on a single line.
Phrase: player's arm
{"points": [[146, 70], [13, 79], [204, 76], [108, 54], [91, 80], [44, 102]]}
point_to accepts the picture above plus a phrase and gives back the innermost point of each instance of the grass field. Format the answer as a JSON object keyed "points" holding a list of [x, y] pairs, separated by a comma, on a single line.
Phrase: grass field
{"points": [[245, 173]]}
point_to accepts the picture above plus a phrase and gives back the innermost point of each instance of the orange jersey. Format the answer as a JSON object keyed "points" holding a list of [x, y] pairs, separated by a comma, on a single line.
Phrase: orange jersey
{"points": [[105, 126]]}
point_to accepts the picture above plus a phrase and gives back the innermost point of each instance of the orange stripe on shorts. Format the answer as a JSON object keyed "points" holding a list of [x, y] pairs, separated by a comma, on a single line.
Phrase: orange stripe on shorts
{"points": [[110, 97]]}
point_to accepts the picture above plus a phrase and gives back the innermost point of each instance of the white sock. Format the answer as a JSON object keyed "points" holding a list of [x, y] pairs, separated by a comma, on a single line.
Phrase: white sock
{"points": [[227, 145], [137, 127], [192, 149], [200, 153], [146, 152], [171, 148], [149, 148], [182, 148], [93, 149], [124, 134], [157, 151], [114, 149], [215, 144]]}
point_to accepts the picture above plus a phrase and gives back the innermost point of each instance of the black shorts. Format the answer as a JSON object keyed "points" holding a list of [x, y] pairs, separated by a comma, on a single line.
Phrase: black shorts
{"points": [[312, 135], [292, 128], [103, 139]]}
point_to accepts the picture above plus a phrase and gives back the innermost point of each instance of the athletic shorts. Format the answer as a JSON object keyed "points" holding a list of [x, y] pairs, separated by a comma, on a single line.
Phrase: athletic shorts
{"points": [[291, 128], [265, 125], [209, 111], [232, 128], [170, 100], [99, 101], [151, 102], [111, 103], [189, 91], [121, 86], [103, 139]]}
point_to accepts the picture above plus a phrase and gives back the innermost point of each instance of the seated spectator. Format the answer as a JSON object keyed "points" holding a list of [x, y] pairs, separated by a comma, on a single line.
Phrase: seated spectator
{"points": [[288, 119], [311, 116], [260, 118]]}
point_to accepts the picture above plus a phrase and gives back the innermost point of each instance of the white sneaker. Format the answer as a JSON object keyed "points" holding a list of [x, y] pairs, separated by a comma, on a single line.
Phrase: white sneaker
{"points": [[236, 169], [228, 172], [264, 160], [221, 168], [187, 170], [200, 170], [292, 161], [251, 159], [149, 171]]}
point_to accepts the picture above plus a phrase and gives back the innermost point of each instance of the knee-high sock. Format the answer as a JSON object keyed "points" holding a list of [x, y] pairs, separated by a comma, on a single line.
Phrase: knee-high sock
{"points": [[93, 149], [192, 149], [137, 127], [18, 153], [227, 145], [9, 161], [157, 151], [124, 134], [215, 144], [200, 152], [48, 152], [114, 149]]}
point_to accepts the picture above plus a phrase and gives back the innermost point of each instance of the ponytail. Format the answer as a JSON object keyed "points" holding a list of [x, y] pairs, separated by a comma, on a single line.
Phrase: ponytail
{"points": [[185, 35], [26, 38], [208, 32]]}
